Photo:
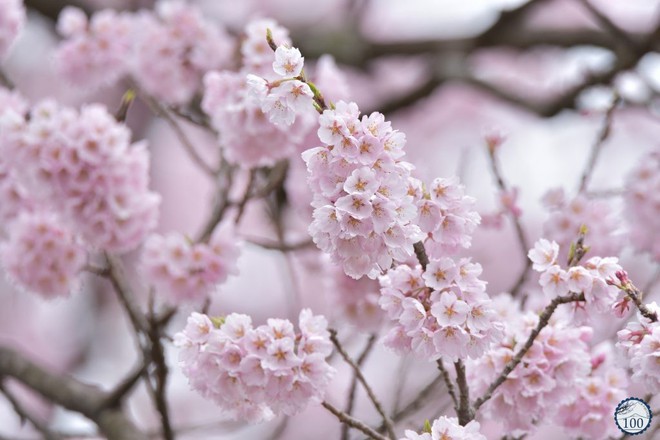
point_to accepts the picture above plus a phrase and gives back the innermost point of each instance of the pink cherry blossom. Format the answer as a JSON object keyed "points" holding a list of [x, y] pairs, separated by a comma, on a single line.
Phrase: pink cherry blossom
{"points": [[12, 19], [544, 254], [42, 256], [256, 373]]}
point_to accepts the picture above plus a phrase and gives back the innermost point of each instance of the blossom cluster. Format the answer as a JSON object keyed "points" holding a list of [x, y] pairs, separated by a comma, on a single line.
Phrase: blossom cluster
{"points": [[42, 255], [364, 196], [589, 415], [567, 217], [12, 19], [14, 196], [182, 271], [255, 373], [355, 300], [249, 138], [441, 312], [82, 165], [448, 217], [544, 380], [642, 201], [589, 278], [448, 428], [166, 51], [640, 341]]}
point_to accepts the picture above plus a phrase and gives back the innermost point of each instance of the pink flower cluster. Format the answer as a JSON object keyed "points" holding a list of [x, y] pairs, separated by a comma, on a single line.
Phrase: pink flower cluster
{"points": [[589, 278], [543, 381], [364, 196], [12, 19], [95, 52], [81, 164], [167, 51], [566, 218], [640, 341], [445, 428], [642, 201], [256, 373], [14, 196], [250, 139], [442, 312], [356, 300], [446, 214], [42, 255], [589, 416], [183, 271]]}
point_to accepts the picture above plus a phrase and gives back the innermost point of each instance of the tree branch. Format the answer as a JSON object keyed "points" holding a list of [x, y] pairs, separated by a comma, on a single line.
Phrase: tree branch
{"points": [[544, 319], [603, 135], [72, 394], [450, 386], [464, 411], [520, 233], [354, 381], [360, 377], [353, 423]]}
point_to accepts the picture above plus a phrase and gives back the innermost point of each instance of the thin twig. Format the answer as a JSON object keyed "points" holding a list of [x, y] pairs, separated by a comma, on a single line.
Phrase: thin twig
{"points": [[224, 182], [124, 292], [353, 388], [246, 196], [360, 377], [353, 423], [121, 390], [282, 247], [417, 402], [450, 386], [159, 110], [6, 81], [520, 233], [24, 414], [609, 26], [160, 374], [596, 148], [544, 319]]}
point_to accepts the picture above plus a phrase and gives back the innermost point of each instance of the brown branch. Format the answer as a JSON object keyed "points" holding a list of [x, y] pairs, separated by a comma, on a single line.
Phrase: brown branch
{"points": [[282, 247], [420, 253], [544, 319], [352, 422], [6, 81], [162, 112], [360, 377], [354, 381], [25, 415], [450, 386], [72, 394], [124, 292], [520, 233], [608, 25], [160, 375], [246, 196], [224, 182], [596, 148], [115, 397], [464, 411]]}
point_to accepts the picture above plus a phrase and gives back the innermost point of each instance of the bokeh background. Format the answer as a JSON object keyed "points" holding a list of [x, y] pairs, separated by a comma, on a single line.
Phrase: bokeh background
{"points": [[448, 73]]}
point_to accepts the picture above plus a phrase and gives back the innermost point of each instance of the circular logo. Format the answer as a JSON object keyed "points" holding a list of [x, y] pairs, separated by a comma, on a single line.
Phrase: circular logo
{"points": [[633, 416]]}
